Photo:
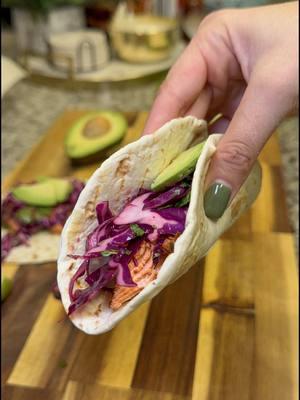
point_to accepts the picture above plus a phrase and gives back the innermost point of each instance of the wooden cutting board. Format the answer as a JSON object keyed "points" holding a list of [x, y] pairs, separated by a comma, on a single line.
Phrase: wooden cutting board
{"points": [[226, 330]]}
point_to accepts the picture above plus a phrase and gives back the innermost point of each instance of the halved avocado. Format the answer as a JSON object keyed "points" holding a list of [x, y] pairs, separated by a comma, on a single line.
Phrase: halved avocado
{"points": [[93, 133], [47, 193], [179, 168]]}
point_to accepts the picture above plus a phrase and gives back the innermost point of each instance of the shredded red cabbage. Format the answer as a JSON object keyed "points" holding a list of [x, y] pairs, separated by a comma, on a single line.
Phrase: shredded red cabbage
{"points": [[97, 280], [103, 212], [156, 200], [20, 231], [112, 245]]}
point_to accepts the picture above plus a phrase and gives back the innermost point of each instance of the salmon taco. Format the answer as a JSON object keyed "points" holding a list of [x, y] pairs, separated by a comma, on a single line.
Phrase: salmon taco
{"points": [[33, 215], [139, 224]]}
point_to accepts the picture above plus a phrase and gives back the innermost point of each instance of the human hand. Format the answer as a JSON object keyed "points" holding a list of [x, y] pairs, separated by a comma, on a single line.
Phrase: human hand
{"points": [[242, 63]]}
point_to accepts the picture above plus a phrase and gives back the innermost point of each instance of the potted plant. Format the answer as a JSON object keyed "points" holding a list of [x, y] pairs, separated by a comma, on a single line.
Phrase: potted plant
{"points": [[34, 20]]}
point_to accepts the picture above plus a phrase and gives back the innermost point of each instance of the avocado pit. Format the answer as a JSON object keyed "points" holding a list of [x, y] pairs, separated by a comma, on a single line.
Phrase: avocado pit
{"points": [[96, 127]]}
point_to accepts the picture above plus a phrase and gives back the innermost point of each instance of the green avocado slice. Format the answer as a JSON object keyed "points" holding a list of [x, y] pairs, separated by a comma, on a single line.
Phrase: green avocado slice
{"points": [[27, 215], [47, 193], [42, 178], [42, 212], [179, 168], [93, 133], [62, 187], [36, 194]]}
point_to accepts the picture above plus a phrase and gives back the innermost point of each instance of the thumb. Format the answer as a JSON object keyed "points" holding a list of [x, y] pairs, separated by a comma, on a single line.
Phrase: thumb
{"points": [[260, 111]]}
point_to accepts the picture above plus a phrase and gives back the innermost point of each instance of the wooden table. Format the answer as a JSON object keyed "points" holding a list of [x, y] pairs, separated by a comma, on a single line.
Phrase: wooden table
{"points": [[226, 330]]}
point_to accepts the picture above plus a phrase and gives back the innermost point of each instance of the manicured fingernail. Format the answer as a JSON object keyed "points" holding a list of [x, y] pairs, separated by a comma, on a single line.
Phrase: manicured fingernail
{"points": [[216, 199]]}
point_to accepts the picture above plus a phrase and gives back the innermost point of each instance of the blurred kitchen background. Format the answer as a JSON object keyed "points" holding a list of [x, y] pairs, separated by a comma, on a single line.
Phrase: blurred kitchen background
{"points": [[79, 54]]}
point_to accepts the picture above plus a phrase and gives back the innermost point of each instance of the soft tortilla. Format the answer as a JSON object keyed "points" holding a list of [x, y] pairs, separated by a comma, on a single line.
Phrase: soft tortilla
{"points": [[42, 247], [117, 180]]}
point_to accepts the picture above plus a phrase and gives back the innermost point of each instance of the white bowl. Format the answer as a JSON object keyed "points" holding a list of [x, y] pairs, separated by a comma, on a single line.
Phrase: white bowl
{"points": [[78, 51]]}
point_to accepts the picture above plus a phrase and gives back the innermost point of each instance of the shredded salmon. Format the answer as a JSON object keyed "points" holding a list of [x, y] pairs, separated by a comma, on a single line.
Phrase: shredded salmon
{"points": [[142, 271], [57, 228], [13, 225], [168, 244]]}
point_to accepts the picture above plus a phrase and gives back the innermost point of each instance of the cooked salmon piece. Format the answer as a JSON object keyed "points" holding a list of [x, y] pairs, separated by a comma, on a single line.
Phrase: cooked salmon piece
{"points": [[13, 225], [168, 244], [122, 294], [57, 228], [143, 271]]}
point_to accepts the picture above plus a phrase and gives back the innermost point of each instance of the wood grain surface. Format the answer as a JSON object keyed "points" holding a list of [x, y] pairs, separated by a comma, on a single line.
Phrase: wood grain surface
{"points": [[227, 330]]}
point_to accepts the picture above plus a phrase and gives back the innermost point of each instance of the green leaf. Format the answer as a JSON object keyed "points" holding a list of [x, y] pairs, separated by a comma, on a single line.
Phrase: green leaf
{"points": [[185, 184], [185, 200], [107, 253], [137, 230]]}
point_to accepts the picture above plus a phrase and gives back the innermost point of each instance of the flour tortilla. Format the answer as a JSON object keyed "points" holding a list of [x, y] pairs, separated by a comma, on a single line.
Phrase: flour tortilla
{"points": [[42, 247], [118, 180]]}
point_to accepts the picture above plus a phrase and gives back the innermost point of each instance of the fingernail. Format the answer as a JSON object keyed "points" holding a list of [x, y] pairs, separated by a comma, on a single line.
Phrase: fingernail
{"points": [[216, 199]]}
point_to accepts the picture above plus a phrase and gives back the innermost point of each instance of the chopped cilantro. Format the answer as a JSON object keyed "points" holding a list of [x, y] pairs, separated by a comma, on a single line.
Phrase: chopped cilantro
{"points": [[185, 200], [107, 253], [185, 184], [137, 230]]}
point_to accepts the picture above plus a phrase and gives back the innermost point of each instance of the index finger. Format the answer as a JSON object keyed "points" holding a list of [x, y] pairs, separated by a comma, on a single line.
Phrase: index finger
{"points": [[181, 88]]}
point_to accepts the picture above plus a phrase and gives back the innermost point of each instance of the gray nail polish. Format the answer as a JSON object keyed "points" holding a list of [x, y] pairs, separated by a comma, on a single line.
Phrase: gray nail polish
{"points": [[216, 199]]}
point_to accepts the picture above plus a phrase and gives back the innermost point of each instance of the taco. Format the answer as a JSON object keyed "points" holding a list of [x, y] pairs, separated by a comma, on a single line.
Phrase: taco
{"points": [[124, 242], [33, 215]]}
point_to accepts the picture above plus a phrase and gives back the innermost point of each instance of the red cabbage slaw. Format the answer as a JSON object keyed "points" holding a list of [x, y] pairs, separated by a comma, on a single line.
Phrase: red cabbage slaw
{"points": [[150, 216], [24, 230]]}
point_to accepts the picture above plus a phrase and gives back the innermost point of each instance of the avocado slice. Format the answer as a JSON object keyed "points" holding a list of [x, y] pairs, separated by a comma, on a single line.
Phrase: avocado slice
{"points": [[179, 168], [27, 215], [62, 187], [47, 193], [36, 194], [42, 178], [42, 212], [93, 133]]}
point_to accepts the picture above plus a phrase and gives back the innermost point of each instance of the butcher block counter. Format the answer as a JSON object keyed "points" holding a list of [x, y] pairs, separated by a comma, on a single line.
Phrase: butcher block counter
{"points": [[227, 330]]}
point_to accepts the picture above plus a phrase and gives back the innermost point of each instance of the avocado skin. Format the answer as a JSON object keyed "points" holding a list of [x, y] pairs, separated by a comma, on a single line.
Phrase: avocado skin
{"points": [[83, 150], [100, 156]]}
